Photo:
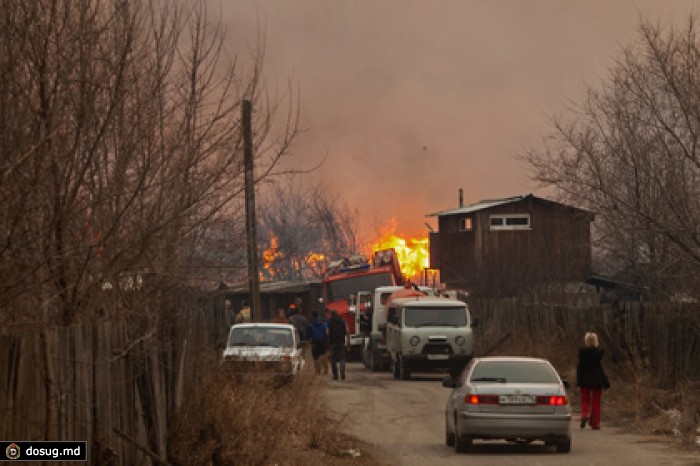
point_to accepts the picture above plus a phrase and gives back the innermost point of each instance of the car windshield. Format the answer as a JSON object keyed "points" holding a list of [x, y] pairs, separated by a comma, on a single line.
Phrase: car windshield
{"points": [[435, 317], [343, 288], [261, 336], [513, 372]]}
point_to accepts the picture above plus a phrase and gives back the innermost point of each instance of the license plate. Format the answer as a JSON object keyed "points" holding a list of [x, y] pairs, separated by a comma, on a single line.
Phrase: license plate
{"points": [[439, 357], [516, 400]]}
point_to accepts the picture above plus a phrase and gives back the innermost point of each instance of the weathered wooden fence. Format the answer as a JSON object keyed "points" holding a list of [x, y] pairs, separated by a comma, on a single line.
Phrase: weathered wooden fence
{"points": [[119, 387], [662, 337], [113, 385]]}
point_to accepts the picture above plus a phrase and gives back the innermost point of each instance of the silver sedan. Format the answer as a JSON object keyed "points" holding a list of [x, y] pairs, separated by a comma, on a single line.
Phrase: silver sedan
{"points": [[513, 398]]}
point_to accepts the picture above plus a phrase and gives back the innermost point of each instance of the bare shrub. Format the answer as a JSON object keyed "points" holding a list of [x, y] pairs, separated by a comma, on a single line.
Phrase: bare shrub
{"points": [[258, 420], [629, 152]]}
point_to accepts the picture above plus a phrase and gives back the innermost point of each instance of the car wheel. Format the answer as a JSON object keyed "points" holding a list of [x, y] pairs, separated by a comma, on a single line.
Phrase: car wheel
{"points": [[404, 371], [462, 442], [564, 445], [395, 367], [449, 436]]}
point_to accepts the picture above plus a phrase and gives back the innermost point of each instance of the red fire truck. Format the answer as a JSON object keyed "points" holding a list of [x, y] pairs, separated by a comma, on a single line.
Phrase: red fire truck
{"points": [[345, 278]]}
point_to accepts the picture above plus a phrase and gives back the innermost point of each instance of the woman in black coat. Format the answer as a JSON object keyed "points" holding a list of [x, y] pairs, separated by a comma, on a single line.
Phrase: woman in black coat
{"points": [[591, 379]]}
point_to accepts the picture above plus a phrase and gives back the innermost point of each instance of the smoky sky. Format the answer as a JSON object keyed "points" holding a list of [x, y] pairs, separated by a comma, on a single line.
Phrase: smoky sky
{"points": [[411, 100]]}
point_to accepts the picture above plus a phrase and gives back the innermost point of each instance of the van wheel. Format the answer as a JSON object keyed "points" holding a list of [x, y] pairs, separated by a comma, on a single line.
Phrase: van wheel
{"points": [[373, 365], [404, 371]]}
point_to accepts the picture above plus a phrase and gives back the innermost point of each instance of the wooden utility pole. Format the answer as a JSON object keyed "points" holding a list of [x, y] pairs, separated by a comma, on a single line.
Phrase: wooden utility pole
{"points": [[250, 219]]}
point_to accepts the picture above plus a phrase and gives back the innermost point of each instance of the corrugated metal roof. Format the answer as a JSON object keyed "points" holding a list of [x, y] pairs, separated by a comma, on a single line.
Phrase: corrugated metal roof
{"points": [[275, 287], [481, 205]]}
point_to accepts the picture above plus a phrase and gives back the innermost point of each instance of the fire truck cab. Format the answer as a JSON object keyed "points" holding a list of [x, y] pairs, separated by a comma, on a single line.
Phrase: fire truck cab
{"points": [[347, 285]]}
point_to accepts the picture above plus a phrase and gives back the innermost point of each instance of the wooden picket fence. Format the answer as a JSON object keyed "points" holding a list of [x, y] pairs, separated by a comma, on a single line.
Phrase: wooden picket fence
{"points": [[119, 386], [661, 337], [110, 384]]}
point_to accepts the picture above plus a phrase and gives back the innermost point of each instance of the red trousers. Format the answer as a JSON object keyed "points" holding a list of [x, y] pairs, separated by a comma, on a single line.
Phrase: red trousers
{"points": [[590, 405]]}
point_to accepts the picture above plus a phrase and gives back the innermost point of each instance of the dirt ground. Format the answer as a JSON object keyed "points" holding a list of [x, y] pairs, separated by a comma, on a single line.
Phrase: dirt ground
{"points": [[404, 422]]}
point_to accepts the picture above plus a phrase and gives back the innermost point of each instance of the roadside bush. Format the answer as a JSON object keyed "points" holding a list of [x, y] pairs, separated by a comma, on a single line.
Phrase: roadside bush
{"points": [[256, 421]]}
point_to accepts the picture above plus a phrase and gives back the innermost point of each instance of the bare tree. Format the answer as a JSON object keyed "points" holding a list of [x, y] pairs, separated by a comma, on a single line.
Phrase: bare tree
{"points": [[630, 154], [302, 227], [120, 149]]}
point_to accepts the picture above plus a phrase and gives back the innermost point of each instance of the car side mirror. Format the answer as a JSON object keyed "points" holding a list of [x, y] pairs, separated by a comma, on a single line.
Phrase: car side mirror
{"points": [[448, 382], [566, 383], [475, 322]]}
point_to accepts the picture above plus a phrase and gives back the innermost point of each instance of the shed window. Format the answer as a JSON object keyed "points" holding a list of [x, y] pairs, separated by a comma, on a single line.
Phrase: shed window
{"points": [[510, 222], [465, 224]]}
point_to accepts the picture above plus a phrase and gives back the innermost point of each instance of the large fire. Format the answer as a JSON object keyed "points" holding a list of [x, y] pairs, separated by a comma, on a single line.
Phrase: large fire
{"points": [[276, 265], [413, 252]]}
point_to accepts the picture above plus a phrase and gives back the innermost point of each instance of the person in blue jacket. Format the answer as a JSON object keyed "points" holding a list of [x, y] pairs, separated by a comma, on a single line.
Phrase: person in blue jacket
{"points": [[319, 343]]}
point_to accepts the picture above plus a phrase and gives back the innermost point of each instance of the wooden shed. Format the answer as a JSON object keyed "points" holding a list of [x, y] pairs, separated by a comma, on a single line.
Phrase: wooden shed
{"points": [[273, 295], [500, 247]]}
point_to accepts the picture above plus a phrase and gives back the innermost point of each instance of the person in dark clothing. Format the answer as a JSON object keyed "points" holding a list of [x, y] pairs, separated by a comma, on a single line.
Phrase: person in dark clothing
{"points": [[301, 323], [337, 337], [319, 343], [591, 379]]}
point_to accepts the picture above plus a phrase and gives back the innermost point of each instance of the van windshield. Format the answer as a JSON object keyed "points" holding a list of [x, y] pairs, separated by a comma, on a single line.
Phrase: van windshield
{"points": [[435, 317]]}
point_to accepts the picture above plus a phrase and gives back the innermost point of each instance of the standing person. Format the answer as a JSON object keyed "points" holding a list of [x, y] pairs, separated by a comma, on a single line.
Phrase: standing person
{"points": [[295, 308], [338, 338], [243, 315], [291, 310], [319, 343], [591, 379], [280, 317], [302, 325]]}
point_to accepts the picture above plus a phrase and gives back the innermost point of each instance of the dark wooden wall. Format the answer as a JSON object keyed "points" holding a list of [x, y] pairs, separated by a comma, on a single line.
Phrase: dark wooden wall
{"points": [[109, 383], [555, 249]]}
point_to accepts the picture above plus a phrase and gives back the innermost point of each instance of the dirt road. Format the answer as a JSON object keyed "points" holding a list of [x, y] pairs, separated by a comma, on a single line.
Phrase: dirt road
{"points": [[405, 420]]}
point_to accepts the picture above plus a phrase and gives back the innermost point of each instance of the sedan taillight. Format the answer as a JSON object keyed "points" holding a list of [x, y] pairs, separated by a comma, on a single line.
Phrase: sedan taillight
{"points": [[481, 399], [557, 400]]}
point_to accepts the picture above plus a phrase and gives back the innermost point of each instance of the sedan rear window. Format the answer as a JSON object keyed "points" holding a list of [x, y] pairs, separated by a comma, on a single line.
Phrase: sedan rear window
{"points": [[260, 336], [513, 372]]}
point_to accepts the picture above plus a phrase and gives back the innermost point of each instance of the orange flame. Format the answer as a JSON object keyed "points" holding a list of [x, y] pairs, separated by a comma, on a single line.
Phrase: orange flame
{"points": [[269, 256], [313, 263], [316, 263], [413, 252]]}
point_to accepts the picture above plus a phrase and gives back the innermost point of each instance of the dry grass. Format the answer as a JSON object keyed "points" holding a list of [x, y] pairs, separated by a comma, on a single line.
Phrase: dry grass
{"points": [[262, 421]]}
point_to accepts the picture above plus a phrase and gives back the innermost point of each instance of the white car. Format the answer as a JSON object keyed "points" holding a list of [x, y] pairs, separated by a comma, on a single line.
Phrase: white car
{"points": [[263, 348]]}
